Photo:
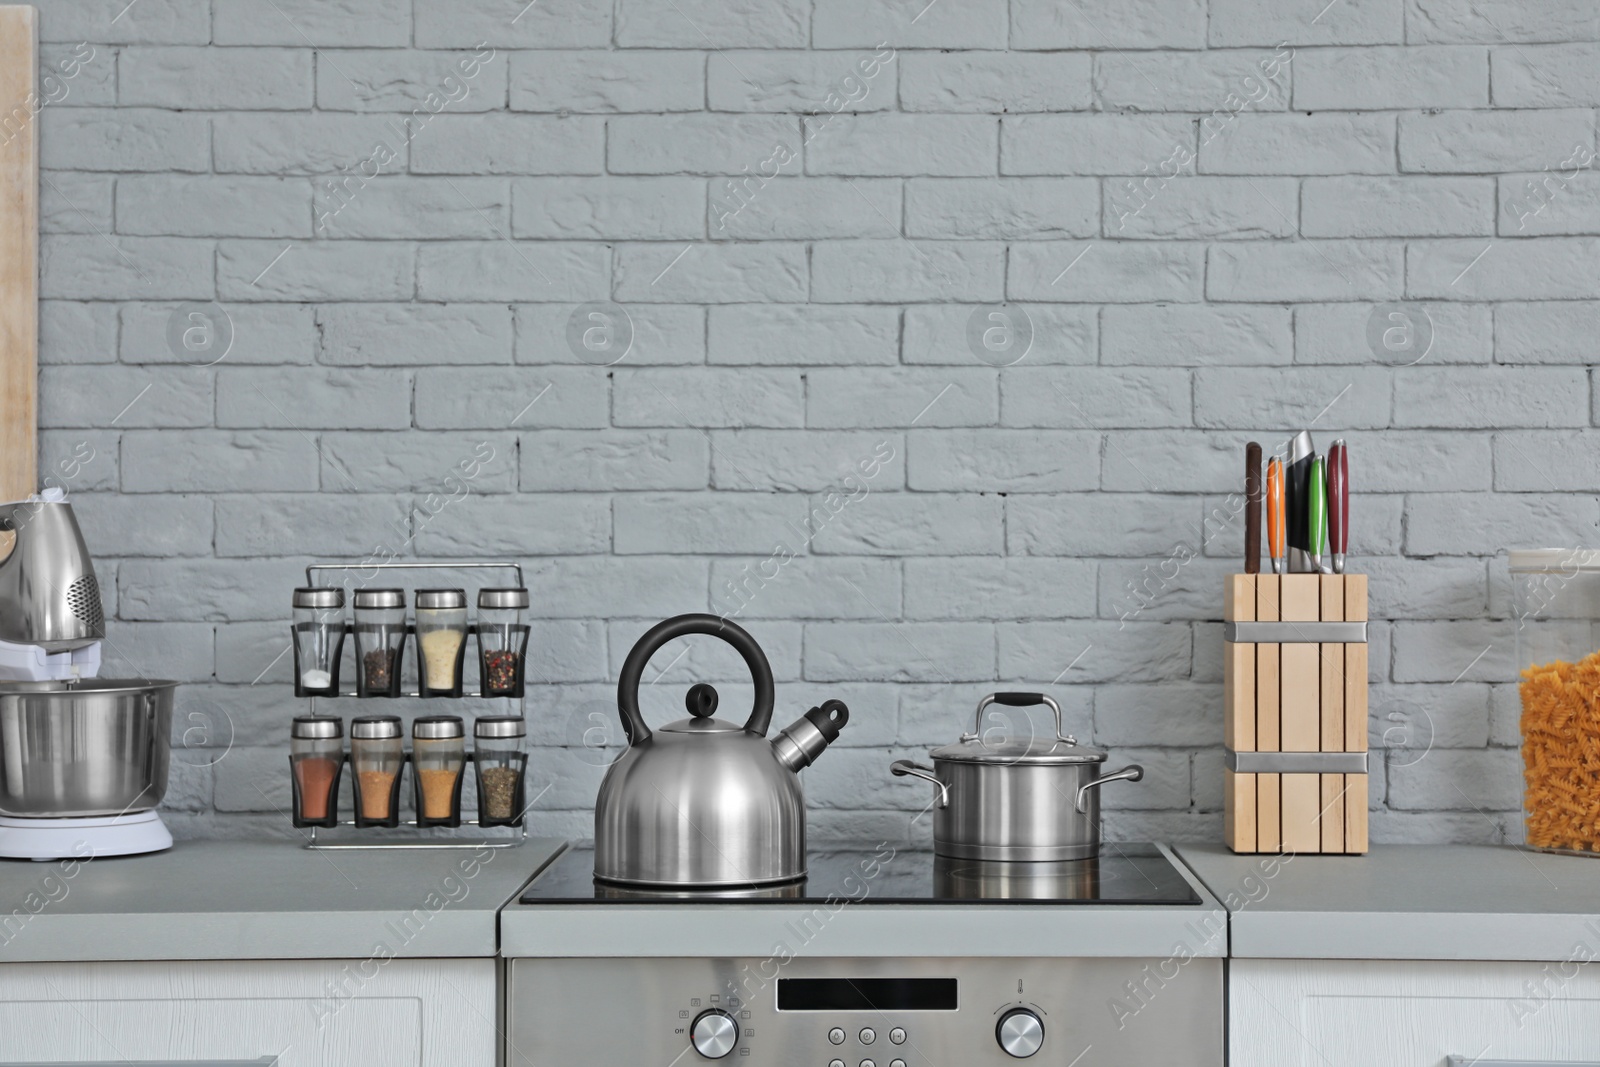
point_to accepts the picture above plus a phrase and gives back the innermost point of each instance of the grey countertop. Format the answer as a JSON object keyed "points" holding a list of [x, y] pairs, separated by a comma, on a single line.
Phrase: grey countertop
{"points": [[262, 900], [812, 929], [1405, 902]]}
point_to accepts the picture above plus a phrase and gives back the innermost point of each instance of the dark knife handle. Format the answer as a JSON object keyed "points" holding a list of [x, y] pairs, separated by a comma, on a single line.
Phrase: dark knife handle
{"points": [[1252, 508], [1338, 499]]}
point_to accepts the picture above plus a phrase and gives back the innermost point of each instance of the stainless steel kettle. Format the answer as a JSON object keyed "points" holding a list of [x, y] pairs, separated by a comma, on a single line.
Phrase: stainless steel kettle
{"points": [[702, 802]]}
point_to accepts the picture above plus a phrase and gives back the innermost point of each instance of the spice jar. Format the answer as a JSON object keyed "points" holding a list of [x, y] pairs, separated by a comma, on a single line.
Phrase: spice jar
{"points": [[380, 641], [318, 639], [316, 754], [438, 755], [376, 757], [502, 641], [441, 639], [501, 762]]}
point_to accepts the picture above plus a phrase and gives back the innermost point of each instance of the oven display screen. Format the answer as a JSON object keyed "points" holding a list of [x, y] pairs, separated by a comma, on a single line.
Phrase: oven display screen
{"points": [[866, 994]]}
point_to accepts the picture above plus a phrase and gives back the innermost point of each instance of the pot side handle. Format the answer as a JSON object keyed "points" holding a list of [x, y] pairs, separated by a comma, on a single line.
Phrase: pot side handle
{"points": [[1131, 773], [904, 768]]}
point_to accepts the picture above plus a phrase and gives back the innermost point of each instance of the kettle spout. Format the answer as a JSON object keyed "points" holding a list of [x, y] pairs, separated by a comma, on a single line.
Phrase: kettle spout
{"points": [[802, 741]]}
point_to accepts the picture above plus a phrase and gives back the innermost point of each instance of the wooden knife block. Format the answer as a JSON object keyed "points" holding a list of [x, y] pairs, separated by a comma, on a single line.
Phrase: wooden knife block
{"points": [[1294, 695]]}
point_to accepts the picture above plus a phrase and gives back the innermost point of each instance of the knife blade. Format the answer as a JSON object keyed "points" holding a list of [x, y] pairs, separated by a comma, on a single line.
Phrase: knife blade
{"points": [[1275, 513], [1317, 512], [1252, 508], [1296, 484], [1338, 503]]}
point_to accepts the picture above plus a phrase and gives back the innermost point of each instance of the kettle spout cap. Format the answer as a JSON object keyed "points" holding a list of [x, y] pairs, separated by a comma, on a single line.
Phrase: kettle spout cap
{"points": [[802, 741]]}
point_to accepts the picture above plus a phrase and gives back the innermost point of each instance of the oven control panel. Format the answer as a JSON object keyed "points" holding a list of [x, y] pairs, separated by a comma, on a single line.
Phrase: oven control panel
{"points": [[920, 1012]]}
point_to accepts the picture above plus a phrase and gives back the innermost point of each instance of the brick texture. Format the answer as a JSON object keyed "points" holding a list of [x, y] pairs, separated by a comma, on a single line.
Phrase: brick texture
{"points": [[917, 337]]}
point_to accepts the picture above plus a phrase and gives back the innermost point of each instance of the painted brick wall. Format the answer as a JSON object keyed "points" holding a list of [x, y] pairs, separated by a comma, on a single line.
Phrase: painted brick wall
{"points": [[806, 210]]}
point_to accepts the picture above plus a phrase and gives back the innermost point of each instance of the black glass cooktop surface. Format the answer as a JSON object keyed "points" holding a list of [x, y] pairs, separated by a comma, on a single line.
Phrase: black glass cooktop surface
{"points": [[1122, 874]]}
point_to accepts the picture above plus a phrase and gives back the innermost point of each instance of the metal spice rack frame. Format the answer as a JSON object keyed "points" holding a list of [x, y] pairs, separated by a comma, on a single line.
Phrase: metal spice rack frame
{"points": [[520, 822]]}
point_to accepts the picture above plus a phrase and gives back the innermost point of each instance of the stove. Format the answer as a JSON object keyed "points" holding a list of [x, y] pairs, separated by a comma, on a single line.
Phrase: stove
{"points": [[880, 957], [1124, 874]]}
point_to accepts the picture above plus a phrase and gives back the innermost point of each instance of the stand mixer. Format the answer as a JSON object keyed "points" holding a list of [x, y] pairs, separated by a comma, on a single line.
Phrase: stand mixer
{"points": [[83, 760]]}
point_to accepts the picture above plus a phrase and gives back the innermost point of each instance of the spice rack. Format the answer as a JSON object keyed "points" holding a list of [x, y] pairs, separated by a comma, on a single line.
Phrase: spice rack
{"points": [[502, 676]]}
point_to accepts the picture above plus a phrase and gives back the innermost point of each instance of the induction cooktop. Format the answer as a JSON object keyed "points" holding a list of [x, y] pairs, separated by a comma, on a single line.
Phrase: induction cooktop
{"points": [[1124, 873]]}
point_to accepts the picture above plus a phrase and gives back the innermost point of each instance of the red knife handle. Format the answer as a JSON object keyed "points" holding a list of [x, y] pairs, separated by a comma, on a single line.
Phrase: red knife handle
{"points": [[1338, 499]]}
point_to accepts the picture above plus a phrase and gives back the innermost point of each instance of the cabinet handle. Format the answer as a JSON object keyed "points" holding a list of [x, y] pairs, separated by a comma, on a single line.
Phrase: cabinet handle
{"points": [[1469, 1061]]}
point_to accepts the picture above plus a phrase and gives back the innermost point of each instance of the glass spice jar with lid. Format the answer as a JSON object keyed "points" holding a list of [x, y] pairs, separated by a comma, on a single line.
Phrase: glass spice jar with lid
{"points": [[441, 640], [380, 641], [438, 757], [376, 760], [316, 756], [318, 639], [497, 753], [502, 641]]}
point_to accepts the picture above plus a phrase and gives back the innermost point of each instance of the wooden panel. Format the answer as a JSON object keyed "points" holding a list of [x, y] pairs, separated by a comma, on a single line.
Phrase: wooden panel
{"points": [[19, 252], [1301, 714], [1331, 807], [1394, 1013], [1239, 715], [1355, 716], [1269, 787]]}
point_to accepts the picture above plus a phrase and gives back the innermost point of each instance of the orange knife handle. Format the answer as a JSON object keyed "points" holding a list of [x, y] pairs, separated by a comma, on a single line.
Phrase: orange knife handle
{"points": [[1276, 531]]}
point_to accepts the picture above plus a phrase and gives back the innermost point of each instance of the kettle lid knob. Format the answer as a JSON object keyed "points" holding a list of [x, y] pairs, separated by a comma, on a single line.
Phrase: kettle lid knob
{"points": [[701, 700]]}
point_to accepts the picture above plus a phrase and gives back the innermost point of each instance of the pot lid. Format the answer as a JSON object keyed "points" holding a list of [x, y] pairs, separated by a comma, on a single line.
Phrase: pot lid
{"points": [[1043, 750]]}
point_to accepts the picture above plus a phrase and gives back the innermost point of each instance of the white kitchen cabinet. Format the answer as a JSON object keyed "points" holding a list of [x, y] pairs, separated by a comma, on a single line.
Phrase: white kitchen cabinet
{"points": [[306, 1013], [1389, 1013]]}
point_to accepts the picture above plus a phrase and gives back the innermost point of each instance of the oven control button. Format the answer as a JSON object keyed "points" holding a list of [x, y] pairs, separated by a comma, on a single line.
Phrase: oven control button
{"points": [[1020, 1033], [868, 1063], [868, 1035], [897, 1063], [836, 1036], [898, 1036], [835, 1063], [714, 1034]]}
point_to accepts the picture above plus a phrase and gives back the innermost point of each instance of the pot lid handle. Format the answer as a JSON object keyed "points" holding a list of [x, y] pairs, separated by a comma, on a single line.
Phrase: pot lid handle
{"points": [[1019, 700], [678, 626]]}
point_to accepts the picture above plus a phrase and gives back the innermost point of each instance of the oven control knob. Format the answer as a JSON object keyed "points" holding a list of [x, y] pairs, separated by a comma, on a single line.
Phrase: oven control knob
{"points": [[1020, 1033], [714, 1034]]}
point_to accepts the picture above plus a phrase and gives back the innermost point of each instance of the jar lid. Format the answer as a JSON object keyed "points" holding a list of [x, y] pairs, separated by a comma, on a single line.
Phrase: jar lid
{"points": [[380, 598], [505, 597], [1557, 560], [436, 727], [436, 599], [368, 727], [499, 726], [318, 597], [316, 727]]}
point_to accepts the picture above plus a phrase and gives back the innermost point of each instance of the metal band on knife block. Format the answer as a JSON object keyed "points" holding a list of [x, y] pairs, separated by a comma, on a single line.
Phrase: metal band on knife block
{"points": [[1295, 633], [1295, 762]]}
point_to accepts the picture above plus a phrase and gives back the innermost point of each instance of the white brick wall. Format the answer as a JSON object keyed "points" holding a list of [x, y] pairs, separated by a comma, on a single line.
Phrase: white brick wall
{"points": [[801, 204]]}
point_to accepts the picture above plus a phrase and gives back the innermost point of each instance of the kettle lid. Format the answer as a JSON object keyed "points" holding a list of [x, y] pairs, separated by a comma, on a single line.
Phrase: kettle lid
{"points": [[701, 700]]}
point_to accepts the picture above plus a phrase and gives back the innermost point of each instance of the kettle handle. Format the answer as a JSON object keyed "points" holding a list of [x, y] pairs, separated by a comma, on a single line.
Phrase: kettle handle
{"points": [[679, 625]]}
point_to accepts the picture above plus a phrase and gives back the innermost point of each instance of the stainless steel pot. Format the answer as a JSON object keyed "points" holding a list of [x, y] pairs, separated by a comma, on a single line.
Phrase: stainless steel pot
{"points": [[702, 802], [90, 747], [1031, 799]]}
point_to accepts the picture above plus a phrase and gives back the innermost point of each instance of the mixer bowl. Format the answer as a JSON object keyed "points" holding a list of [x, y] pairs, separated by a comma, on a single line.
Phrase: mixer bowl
{"points": [[97, 746]]}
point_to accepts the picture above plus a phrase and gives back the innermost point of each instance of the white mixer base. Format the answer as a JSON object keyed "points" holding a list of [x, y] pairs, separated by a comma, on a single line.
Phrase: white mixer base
{"points": [[84, 838]]}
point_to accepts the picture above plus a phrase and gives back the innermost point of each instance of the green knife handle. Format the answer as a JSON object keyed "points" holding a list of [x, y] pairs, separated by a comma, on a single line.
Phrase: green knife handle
{"points": [[1317, 507]]}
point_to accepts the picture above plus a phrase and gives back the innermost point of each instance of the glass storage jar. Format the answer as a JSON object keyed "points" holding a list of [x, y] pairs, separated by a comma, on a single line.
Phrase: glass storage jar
{"points": [[441, 640], [498, 755], [376, 759], [438, 756], [502, 641], [380, 641], [1555, 605], [316, 755], [318, 639]]}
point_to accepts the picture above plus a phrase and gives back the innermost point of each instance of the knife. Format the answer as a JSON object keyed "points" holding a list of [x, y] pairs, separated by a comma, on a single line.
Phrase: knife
{"points": [[1338, 503], [1275, 513], [1317, 512], [1296, 486], [1252, 509]]}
